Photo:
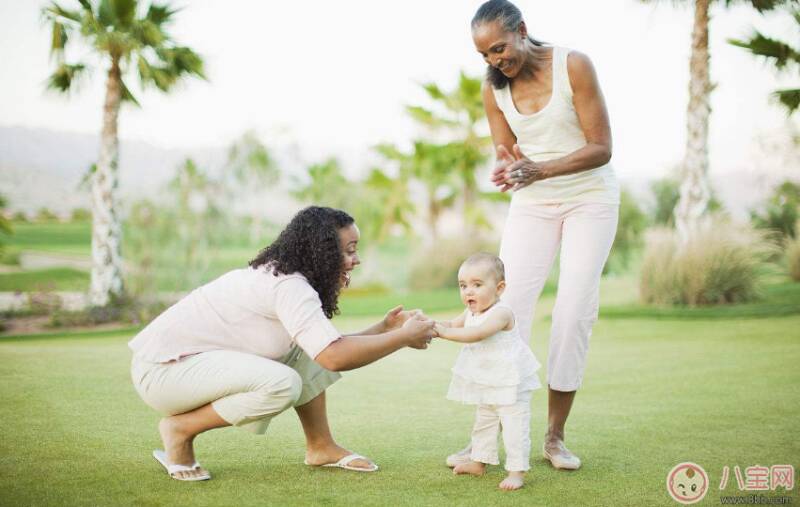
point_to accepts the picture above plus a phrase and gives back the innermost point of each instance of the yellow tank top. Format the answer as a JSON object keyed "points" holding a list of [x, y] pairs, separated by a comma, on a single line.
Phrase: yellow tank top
{"points": [[553, 133]]}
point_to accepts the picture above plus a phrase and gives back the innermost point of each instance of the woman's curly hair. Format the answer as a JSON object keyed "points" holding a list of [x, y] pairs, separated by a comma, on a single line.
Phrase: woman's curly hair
{"points": [[309, 245]]}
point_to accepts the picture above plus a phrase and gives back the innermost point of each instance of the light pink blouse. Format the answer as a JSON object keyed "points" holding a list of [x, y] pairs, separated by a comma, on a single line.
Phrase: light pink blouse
{"points": [[247, 310]]}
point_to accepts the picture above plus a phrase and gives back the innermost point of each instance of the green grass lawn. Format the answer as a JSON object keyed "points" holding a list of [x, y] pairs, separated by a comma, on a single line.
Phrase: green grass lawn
{"points": [[72, 238], [67, 279], [656, 393]]}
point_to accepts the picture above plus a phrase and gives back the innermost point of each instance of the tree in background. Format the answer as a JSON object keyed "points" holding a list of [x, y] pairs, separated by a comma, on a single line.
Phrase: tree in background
{"points": [[249, 170], [781, 211], [666, 192], [454, 116], [431, 165], [197, 218], [5, 225], [446, 159], [694, 188], [384, 203], [781, 55], [125, 35], [630, 226], [326, 185]]}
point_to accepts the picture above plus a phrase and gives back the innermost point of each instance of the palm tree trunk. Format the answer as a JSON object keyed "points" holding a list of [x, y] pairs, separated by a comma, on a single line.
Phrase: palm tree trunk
{"points": [[106, 281], [694, 190]]}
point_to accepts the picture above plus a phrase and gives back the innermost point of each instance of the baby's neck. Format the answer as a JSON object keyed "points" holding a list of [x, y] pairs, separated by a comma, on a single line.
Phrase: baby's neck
{"points": [[488, 307]]}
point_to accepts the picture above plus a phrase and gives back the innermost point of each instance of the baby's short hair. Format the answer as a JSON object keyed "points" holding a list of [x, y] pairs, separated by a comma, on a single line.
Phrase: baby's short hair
{"points": [[491, 261]]}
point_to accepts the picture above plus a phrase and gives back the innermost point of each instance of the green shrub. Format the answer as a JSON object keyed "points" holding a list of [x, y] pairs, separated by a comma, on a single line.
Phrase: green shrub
{"points": [[80, 215], [632, 223], [781, 211], [120, 310], [720, 263], [793, 256]]}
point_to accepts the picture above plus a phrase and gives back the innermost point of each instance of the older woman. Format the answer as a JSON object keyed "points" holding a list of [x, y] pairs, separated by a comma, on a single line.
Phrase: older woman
{"points": [[549, 123], [256, 341]]}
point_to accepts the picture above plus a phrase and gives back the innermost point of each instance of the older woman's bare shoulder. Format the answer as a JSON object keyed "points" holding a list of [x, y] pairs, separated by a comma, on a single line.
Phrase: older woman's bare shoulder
{"points": [[582, 76]]}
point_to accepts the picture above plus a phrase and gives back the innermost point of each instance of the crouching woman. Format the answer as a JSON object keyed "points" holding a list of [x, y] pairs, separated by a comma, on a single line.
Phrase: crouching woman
{"points": [[256, 341]]}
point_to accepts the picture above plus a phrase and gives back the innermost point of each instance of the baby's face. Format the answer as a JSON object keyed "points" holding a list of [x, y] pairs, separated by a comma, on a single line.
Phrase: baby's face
{"points": [[478, 286]]}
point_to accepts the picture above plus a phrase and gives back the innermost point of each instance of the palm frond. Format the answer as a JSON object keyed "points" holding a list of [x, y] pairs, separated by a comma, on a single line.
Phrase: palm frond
{"points": [[58, 40], [65, 76], [181, 60], [768, 5], [148, 33], [428, 118], [127, 96], [160, 14], [116, 13], [761, 45], [789, 98], [56, 12]]}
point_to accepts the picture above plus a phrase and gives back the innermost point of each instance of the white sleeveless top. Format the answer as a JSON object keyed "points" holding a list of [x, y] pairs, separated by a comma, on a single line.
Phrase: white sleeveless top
{"points": [[494, 370], [553, 133]]}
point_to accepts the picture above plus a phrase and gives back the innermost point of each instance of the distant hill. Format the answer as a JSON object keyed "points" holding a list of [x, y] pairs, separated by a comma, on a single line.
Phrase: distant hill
{"points": [[42, 167]]}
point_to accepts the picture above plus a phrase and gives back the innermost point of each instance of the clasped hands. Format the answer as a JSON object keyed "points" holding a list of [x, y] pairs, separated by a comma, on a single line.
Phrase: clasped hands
{"points": [[420, 328], [515, 171]]}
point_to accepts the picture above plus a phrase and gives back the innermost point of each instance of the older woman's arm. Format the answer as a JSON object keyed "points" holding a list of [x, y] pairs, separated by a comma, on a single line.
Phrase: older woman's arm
{"points": [[350, 352], [590, 109]]}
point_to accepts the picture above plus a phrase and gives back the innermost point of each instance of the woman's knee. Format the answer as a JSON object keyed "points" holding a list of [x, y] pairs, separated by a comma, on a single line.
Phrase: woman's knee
{"points": [[283, 391]]}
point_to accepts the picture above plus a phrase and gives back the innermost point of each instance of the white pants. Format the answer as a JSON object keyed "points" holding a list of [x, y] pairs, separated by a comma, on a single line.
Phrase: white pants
{"points": [[245, 390], [532, 235], [515, 421]]}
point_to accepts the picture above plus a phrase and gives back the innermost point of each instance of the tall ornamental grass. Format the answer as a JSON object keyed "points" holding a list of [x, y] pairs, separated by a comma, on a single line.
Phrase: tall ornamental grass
{"points": [[720, 263]]}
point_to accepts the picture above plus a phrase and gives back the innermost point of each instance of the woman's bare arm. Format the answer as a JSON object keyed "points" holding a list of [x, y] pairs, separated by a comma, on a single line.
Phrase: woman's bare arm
{"points": [[350, 352]]}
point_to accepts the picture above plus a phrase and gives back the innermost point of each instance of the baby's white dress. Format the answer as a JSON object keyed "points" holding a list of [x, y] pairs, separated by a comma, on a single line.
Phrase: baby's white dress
{"points": [[493, 370]]}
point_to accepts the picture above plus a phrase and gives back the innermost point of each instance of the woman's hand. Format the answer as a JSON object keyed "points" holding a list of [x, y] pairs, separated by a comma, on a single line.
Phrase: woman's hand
{"points": [[504, 159], [522, 172], [396, 317], [420, 330]]}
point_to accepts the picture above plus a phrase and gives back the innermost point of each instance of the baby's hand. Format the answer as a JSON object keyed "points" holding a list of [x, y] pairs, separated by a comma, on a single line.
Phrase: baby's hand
{"points": [[439, 329]]}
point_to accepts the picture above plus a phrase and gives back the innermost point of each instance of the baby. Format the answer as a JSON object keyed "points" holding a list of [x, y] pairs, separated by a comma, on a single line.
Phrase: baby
{"points": [[495, 370]]}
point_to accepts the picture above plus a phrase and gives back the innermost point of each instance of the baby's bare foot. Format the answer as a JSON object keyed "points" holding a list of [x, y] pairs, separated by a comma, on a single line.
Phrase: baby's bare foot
{"points": [[471, 468], [515, 480]]}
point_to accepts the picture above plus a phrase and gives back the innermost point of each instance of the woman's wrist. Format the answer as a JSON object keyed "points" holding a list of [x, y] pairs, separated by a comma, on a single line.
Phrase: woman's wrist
{"points": [[547, 169]]}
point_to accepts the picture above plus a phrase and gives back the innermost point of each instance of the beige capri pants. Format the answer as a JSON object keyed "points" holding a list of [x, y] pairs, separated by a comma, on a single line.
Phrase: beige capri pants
{"points": [[532, 236], [245, 389]]}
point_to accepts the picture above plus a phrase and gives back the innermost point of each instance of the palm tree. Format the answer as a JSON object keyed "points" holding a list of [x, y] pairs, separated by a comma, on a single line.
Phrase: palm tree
{"points": [[454, 115], [782, 56], [327, 185], [694, 189], [431, 165], [124, 35], [383, 204], [250, 169]]}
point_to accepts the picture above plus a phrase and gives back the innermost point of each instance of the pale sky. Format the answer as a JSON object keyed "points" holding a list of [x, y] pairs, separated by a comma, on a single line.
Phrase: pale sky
{"points": [[334, 75]]}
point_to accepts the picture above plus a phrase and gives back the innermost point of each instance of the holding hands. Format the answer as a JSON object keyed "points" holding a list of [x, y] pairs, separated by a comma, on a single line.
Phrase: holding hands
{"points": [[396, 317], [515, 171], [418, 328]]}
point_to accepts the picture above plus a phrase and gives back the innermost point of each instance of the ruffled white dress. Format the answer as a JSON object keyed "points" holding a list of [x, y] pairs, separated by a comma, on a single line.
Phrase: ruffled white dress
{"points": [[493, 370]]}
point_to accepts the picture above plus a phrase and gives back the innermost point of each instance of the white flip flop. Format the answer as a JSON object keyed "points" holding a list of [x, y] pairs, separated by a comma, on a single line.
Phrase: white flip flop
{"points": [[173, 470], [345, 464]]}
